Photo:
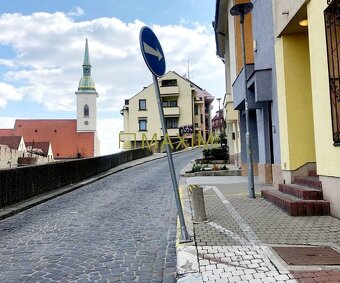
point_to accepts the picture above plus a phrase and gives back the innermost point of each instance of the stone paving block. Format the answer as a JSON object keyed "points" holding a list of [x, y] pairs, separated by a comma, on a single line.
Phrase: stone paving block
{"points": [[247, 277], [259, 275], [210, 267], [282, 277], [226, 275], [234, 279], [268, 279], [218, 271]]}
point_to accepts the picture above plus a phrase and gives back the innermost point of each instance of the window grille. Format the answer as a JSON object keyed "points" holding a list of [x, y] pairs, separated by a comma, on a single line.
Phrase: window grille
{"points": [[332, 25]]}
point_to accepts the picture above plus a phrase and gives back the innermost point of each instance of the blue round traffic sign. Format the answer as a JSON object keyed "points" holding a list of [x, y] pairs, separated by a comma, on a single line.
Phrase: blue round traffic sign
{"points": [[152, 51]]}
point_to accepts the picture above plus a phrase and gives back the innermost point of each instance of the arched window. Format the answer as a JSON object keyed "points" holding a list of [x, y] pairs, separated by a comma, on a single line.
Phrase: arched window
{"points": [[86, 110]]}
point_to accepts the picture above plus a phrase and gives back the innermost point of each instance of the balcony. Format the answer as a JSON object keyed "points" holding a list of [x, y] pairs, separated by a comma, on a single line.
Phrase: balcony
{"points": [[173, 132], [171, 111], [169, 90]]}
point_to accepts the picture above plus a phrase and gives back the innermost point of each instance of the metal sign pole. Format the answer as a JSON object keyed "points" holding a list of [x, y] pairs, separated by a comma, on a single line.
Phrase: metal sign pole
{"points": [[184, 233]]}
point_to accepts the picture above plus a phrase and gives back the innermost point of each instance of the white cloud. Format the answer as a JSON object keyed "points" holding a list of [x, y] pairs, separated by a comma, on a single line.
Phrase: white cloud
{"points": [[108, 134], [76, 11], [49, 48], [7, 63], [7, 122], [8, 92]]}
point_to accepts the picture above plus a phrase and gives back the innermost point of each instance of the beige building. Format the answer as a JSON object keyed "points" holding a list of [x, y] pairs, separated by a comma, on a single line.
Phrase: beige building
{"points": [[187, 112]]}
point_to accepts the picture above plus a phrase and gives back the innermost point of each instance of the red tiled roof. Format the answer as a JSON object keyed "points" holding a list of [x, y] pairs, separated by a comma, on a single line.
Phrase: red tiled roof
{"points": [[12, 142], [6, 132], [62, 134]]}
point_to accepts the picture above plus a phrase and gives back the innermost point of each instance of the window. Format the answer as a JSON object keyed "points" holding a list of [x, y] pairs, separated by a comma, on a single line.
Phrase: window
{"points": [[142, 104], [196, 125], [173, 103], [171, 122], [196, 109], [169, 83], [86, 110], [332, 23], [142, 122]]}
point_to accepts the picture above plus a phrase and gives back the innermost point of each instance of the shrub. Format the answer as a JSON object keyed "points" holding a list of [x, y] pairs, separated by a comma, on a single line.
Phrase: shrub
{"points": [[196, 168], [207, 153], [215, 167]]}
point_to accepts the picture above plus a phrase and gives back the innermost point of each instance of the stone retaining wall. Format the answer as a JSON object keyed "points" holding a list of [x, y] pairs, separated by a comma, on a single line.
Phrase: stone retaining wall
{"points": [[18, 184]]}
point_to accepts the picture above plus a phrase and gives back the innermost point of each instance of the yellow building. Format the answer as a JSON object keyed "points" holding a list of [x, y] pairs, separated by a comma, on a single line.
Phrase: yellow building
{"points": [[307, 51], [187, 110]]}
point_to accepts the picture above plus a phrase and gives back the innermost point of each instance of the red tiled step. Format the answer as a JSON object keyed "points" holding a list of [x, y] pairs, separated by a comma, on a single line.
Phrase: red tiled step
{"points": [[312, 182], [295, 206], [301, 192], [312, 173]]}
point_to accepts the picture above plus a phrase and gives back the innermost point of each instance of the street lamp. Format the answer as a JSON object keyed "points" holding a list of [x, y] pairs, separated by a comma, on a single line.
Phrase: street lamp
{"points": [[219, 119], [241, 10]]}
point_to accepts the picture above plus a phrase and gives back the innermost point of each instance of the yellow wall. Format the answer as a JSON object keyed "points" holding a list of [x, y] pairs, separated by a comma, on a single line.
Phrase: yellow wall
{"points": [[295, 101], [327, 155]]}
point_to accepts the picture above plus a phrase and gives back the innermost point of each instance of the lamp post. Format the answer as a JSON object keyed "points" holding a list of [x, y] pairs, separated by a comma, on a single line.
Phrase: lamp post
{"points": [[219, 120], [241, 10]]}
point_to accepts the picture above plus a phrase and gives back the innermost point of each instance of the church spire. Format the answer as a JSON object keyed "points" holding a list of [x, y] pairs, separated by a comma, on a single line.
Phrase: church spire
{"points": [[86, 82], [86, 64]]}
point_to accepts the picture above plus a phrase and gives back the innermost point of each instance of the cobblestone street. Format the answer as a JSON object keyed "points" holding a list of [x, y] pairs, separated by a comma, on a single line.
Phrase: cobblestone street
{"points": [[119, 229]]}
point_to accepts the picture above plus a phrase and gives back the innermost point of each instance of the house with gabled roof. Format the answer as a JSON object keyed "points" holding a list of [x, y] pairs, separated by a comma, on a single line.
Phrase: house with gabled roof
{"points": [[13, 142], [40, 148]]}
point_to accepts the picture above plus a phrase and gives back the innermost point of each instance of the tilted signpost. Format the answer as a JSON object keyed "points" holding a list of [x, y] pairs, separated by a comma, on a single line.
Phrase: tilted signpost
{"points": [[154, 58]]}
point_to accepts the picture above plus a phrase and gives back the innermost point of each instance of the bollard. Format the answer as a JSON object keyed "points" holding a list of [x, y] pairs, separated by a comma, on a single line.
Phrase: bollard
{"points": [[197, 202]]}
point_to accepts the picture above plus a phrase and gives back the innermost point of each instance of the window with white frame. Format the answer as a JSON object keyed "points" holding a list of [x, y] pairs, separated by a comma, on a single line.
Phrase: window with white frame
{"points": [[142, 104], [142, 124]]}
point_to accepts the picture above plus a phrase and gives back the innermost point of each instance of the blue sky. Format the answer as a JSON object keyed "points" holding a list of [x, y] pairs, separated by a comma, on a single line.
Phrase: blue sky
{"points": [[161, 12], [42, 47]]}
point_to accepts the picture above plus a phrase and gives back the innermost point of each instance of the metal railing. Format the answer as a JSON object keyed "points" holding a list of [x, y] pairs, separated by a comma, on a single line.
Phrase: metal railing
{"points": [[332, 25]]}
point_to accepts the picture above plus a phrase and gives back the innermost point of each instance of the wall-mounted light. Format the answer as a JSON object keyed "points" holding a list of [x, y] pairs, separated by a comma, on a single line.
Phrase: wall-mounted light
{"points": [[303, 22]]}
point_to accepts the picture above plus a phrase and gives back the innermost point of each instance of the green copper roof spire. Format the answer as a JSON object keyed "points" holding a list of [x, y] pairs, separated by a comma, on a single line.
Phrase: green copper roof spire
{"points": [[86, 55], [86, 82]]}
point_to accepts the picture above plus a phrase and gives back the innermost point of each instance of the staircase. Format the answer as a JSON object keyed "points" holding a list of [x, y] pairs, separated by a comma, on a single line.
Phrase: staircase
{"points": [[302, 198]]}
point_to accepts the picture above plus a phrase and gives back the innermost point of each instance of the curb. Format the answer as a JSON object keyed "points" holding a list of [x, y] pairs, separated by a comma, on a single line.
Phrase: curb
{"points": [[187, 259]]}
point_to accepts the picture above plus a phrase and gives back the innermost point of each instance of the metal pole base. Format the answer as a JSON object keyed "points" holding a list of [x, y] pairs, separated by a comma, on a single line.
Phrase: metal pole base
{"points": [[252, 194], [185, 238]]}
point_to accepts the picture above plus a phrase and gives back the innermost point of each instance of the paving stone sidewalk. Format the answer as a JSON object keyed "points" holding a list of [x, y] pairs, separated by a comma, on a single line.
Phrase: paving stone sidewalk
{"points": [[236, 243]]}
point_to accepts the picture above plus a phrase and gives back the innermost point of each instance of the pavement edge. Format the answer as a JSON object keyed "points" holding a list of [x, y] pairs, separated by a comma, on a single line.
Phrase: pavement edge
{"points": [[187, 258]]}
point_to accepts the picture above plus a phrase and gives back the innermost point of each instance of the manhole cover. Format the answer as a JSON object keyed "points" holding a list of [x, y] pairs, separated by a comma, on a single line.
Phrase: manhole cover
{"points": [[308, 255]]}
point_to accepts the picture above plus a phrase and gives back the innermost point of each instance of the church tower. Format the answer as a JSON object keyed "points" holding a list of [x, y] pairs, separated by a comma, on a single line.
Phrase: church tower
{"points": [[86, 98]]}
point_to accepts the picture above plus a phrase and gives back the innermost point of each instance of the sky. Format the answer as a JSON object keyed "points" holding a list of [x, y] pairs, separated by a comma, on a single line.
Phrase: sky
{"points": [[42, 47]]}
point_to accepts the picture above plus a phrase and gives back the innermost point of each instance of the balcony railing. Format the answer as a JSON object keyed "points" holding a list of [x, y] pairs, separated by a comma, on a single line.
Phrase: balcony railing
{"points": [[173, 132], [169, 90], [171, 111]]}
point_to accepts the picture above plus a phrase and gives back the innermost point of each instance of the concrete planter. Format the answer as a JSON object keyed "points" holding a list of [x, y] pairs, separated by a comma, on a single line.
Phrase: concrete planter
{"points": [[215, 173]]}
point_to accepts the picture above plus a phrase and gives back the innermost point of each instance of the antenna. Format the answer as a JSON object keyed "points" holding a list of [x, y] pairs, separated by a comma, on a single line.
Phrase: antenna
{"points": [[188, 69]]}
